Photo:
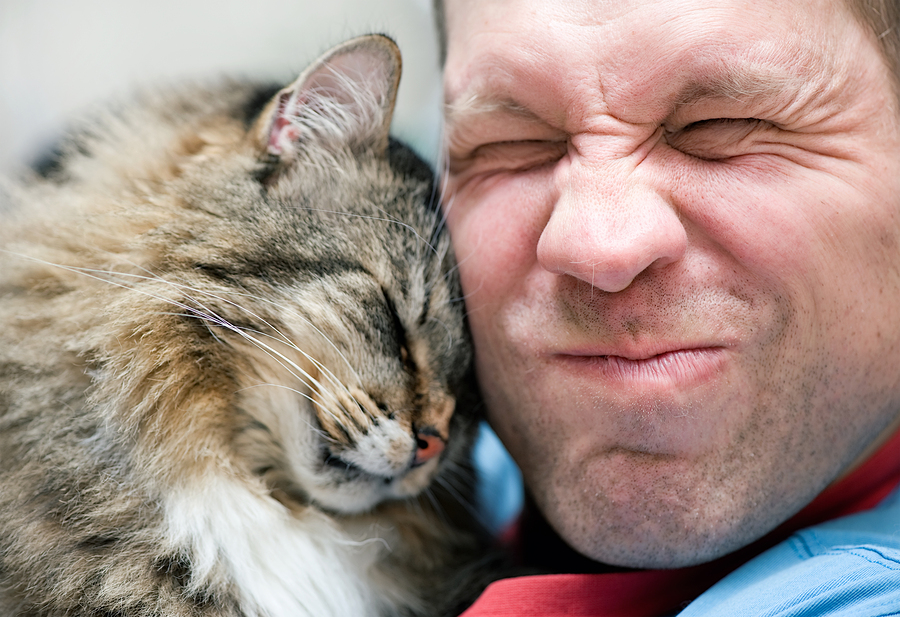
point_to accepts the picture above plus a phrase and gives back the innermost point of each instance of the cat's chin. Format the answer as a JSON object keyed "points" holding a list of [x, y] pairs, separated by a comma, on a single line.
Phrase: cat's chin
{"points": [[346, 489]]}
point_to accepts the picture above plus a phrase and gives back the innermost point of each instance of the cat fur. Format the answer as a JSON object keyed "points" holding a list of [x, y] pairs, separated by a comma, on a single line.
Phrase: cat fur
{"points": [[231, 329]]}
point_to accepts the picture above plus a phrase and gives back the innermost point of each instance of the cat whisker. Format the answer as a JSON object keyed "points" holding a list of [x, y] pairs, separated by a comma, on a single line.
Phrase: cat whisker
{"points": [[417, 507], [317, 363], [283, 338], [289, 365], [224, 323], [207, 315], [94, 274], [203, 313], [376, 218], [299, 393], [301, 374], [287, 341], [465, 503], [389, 218], [455, 474], [441, 220], [447, 328], [436, 505]]}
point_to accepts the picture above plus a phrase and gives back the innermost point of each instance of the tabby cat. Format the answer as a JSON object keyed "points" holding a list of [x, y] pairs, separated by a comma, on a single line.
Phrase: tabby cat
{"points": [[232, 347]]}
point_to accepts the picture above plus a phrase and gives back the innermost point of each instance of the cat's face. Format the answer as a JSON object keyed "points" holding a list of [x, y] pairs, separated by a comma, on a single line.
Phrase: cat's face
{"points": [[363, 404], [349, 315], [357, 383]]}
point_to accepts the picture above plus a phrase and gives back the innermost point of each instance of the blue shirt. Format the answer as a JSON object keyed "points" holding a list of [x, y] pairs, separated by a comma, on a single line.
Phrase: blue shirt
{"points": [[848, 566]]}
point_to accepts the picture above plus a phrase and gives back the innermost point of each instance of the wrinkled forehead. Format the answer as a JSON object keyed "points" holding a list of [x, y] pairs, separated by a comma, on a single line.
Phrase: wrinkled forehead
{"points": [[639, 55], [469, 16]]}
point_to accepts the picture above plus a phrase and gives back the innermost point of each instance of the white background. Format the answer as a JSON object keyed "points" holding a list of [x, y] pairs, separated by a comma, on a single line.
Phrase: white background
{"points": [[58, 57]]}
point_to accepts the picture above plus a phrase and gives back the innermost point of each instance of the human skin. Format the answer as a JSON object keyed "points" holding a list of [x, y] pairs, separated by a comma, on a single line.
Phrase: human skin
{"points": [[677, 225]]}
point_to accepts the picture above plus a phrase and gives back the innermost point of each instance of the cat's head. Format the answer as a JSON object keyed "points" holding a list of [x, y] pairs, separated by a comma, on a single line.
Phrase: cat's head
{"points": [[349, 308], [262, 272]]}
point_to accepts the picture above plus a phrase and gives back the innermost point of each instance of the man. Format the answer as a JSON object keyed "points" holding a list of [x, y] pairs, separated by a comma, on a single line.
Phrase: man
{"points": [[678, 228]]}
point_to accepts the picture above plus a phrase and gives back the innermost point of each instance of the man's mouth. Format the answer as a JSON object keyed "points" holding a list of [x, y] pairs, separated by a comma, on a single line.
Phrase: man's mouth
{"points": [[673, 365]]}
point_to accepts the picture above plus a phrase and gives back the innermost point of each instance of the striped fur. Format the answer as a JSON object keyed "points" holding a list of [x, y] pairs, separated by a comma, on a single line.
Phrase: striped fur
{"points": [[232, 340]]}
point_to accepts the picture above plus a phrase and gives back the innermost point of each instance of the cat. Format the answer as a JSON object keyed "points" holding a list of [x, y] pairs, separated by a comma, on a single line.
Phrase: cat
{"points": [[234, 371]]}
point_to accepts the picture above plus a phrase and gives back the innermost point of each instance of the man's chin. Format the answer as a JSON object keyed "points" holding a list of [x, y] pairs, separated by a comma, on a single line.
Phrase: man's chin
{"points": [[656, 533]]}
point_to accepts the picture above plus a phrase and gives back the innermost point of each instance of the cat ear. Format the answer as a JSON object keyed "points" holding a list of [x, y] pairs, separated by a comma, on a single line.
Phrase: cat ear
{"points": [[344, 99]]}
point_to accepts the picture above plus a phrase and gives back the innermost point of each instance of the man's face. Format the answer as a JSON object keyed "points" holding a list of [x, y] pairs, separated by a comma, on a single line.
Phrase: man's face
{"points": [[677, 225]]}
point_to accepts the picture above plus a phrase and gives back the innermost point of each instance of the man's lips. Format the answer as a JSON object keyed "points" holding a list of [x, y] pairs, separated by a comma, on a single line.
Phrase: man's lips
{"points": [[673, 365]]}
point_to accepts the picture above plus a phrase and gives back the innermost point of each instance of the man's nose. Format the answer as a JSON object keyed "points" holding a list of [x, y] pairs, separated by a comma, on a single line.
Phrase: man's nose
{"points": [[607, 227]]}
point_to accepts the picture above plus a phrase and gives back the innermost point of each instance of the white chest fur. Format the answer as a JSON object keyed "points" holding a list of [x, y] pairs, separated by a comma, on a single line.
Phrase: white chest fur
{"points": [[278, 565]]}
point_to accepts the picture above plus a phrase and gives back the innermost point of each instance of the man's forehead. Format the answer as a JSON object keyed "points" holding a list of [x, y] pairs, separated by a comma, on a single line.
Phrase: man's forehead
{"points": [[599, 11], [585, 12], [499, 73]]}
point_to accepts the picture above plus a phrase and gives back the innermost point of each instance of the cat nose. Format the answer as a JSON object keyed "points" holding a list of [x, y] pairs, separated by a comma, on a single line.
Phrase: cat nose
{"points": [[428, 445]]}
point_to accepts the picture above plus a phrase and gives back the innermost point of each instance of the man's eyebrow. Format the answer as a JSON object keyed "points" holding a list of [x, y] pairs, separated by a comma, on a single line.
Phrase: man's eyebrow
{"points": [[739, 83], [473, 105]]}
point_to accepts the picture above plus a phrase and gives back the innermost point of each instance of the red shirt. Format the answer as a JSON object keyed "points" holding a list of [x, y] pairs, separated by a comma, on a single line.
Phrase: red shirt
{"points": [[654, 593]]}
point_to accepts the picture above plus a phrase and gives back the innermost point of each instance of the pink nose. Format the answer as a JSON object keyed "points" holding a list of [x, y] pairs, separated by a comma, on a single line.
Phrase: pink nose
{"points": [[428, 447]]}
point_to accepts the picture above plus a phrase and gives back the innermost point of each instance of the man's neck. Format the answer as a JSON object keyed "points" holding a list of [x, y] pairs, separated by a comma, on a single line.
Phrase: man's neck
{"points": [[872, 448]]}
